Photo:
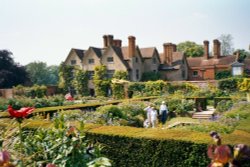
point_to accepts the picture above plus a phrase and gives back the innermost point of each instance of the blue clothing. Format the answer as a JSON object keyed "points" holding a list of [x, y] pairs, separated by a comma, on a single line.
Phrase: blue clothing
{"points": [[164, 116]]}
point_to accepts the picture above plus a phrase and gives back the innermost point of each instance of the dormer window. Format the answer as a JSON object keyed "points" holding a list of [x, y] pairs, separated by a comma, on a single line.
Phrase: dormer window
{"points": [[110, 59], [91, 61]]}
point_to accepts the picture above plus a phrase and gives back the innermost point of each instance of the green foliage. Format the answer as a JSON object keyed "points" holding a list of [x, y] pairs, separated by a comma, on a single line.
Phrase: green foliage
{"points": [[110, 111], [61, 145], [186, 88], [242, 54], [190, 49], [223, 74], [155, 88], [11, 73], [100, 81], [229, 84], [41, 74], [66, 77], [133, 152], [120, 74], [37, 91], [150, 76], [81, 82], [136, 88], [118, 90], [244, 86], [224, 105]]}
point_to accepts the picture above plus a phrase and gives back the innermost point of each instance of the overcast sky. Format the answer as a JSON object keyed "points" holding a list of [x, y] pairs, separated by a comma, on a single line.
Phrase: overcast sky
{"points": [[46, 30]]}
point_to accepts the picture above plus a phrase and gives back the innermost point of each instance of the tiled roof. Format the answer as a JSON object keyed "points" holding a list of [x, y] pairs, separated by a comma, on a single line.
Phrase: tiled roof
{"points": [[147, 52], [177, 57], [98, 51], [79, 52], [201, 61], [124, 50]]}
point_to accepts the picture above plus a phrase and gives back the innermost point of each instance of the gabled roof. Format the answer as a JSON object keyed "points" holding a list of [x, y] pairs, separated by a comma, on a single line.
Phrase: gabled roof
{"points": [[177, 57], [118, 52], [147, 52], [201, 61], [98, 51], [124, 50], [79, 52]]}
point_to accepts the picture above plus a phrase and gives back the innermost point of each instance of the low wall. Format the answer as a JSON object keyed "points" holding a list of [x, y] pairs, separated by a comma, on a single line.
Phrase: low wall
{"points": [[6, 93]]}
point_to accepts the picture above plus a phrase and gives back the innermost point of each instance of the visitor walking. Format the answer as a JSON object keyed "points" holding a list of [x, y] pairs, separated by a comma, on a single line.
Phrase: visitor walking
{"points": [[153, 117], [148, 110], [163, 113]]}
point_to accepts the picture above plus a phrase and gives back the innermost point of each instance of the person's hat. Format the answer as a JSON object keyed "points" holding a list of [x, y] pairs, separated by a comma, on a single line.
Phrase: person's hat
{"points": [[163, 102]]}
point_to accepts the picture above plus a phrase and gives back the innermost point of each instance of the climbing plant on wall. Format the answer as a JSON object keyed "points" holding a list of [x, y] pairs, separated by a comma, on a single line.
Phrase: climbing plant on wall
{"points": [[81, 82], [118, 87], [100, 80], [65, 77]]}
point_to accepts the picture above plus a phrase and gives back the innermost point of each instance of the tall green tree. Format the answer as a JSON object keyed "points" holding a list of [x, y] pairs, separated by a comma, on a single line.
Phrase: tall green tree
{"points": [[190, 49], [11, 73], [41, 74], [242, 54], [226, 44]]}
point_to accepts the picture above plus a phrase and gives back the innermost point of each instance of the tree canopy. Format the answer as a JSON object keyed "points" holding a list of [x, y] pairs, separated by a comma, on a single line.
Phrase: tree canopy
{"points": [[11, 73], [41, 74], [226, 44], [190, 49]]}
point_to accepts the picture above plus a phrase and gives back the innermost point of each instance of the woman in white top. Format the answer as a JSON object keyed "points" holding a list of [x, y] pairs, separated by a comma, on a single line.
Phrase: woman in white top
{"points": [[153, 117]]}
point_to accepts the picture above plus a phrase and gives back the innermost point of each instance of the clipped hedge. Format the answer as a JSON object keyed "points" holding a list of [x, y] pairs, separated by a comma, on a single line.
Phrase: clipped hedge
{"points": [[134, 152]]}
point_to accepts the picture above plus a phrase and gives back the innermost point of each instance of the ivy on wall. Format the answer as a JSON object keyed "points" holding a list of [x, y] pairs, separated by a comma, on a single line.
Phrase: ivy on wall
{"points": [[118, 89], [66, 77], [81, 82], [100, 80]]}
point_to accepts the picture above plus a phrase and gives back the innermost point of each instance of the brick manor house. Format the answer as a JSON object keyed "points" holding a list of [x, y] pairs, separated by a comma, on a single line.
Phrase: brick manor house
{"points": [[172, 65]]}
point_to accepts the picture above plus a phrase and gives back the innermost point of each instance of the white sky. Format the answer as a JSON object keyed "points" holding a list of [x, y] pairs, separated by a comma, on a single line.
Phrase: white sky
{"points": [[46, 30]]}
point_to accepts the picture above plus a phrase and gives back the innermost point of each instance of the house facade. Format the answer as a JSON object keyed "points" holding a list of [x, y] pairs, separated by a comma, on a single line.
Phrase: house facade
{"points": [[174, 66], [206, 67]]}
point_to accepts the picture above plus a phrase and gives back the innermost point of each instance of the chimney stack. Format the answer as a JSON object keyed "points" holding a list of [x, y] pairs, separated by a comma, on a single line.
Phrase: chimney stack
{"points": [[216, 49], [169, 48], [110, 40], [105, 41], [117, 42], [206, 49], [131, 46]]}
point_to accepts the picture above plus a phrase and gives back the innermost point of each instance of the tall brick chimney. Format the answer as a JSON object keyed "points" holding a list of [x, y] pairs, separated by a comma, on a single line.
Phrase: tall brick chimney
{"points": [[110, 40], [216, 49], [105, 41], [168, 48], [206, 49], [131, 46], [117, 42]]}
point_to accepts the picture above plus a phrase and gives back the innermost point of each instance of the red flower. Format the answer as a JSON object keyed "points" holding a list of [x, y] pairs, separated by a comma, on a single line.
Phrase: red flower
{"points": [[22, 113]]}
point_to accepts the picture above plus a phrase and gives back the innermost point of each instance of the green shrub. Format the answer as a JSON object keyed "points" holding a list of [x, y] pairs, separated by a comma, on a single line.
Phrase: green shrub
{"points": [[223, 74], [143, 152], [229, 84], [224, 105]]}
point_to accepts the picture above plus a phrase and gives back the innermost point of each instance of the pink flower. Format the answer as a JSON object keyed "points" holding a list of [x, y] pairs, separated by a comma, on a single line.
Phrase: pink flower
{"points": [[4, 157], [50, 165], [22, 113]]}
